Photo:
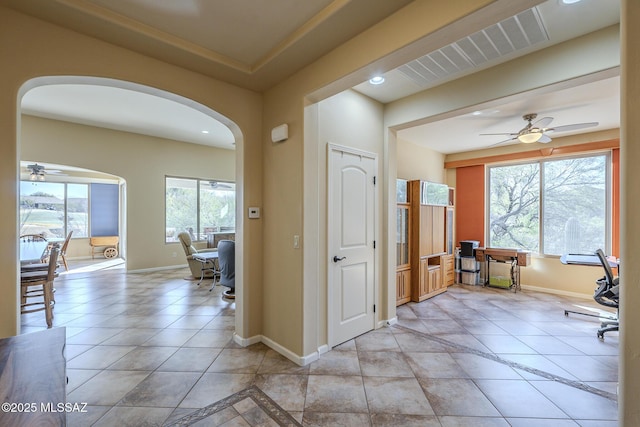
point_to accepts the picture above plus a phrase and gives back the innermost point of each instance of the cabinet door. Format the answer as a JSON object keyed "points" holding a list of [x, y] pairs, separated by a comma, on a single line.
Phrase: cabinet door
{"points": [[402, 235], [424, 277], [435, 281], [438, 234], [426, 230], [403, 286]]}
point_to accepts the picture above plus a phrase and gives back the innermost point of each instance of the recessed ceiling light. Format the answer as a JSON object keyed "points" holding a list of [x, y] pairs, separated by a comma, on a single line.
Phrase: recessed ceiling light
{"points": [[377, 80], [476, 113], [205, 131], [570, 1]]}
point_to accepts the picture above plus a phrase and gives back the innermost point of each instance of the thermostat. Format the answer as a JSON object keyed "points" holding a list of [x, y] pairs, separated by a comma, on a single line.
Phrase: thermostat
{"points": [[254, 212]]}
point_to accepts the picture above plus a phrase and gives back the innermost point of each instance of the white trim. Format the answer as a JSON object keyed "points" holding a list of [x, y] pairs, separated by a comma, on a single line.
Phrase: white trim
{"points": [[392, 321], [323, 349], [298, 360], [245, 342], [153, 269], [557, 292]]}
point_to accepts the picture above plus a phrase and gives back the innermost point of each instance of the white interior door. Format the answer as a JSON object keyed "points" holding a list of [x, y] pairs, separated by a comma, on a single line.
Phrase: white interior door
{"points": [[351, 220]]}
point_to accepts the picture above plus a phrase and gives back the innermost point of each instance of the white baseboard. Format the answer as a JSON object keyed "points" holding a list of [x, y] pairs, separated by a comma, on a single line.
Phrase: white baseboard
{"points": [[246, 342], [298, 360], [153, 269], [392, 321], [557, 292], [323, 349]]}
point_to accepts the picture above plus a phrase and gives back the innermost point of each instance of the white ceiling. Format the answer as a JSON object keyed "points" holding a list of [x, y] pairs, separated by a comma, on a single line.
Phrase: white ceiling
{"points": [[257, 43]]}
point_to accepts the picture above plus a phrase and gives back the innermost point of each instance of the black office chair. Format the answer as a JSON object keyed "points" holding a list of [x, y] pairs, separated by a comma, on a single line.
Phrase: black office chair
{"points": [[227, 264], [607, 293]]}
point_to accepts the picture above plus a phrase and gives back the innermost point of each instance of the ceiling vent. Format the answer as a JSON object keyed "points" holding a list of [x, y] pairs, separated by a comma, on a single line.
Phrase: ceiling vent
{"points": [[492, 43]]}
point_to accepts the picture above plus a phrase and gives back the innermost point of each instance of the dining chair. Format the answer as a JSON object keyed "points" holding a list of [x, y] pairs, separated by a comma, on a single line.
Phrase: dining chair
{"points": [[36, 288], [36, 238], [63, 250]]}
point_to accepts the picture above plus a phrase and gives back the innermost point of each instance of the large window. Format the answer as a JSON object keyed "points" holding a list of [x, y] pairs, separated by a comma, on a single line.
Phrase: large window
{"points": [[551, 207], [54, 209], [199, 207]]}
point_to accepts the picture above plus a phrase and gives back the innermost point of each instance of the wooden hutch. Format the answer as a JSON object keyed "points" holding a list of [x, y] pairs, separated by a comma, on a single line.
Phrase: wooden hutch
{"points": [[425, 262]]}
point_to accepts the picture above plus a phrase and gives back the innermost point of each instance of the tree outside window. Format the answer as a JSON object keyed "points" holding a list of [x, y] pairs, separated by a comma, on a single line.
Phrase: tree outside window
{"points": [[552, 207], [199, 207]]}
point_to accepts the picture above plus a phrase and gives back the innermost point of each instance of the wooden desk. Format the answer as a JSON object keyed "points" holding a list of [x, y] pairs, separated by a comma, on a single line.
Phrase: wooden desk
{"points": [[516, 257], [33, 379]]}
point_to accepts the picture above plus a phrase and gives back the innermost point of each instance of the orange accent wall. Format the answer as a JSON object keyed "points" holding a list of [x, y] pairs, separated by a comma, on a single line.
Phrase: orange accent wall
{"points": [[470, 210], [615, 202]]}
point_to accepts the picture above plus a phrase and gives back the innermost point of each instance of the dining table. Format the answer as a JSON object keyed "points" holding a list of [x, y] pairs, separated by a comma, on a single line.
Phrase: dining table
{"points": [[31, 252]]}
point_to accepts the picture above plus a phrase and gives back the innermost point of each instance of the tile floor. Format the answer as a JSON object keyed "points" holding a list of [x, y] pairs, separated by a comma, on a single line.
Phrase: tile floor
{"points": [[152, 348]]}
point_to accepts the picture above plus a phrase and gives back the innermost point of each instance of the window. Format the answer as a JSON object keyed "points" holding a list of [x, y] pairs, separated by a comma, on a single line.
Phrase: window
{"points": [[54, 209], [200, 207], [552, 206]]}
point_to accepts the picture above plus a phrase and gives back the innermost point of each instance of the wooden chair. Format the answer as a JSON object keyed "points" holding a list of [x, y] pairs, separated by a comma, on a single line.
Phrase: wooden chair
{"points": [[63, 250], [36, 238], [32, 238], [38, 285]]}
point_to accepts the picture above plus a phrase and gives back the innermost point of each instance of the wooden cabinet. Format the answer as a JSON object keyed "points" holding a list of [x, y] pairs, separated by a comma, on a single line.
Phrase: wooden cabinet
{"points": [[403, 287], [435, 280], [428, 282], [403, 238], [429, 232], [447, 267], [428, 246]]}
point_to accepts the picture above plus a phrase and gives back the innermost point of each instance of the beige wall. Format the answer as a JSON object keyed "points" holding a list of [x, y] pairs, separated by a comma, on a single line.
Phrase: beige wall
{"points": [[146, 163], [629, 372], [278, 177], [286, 194], [31, 49], [418, 162]]}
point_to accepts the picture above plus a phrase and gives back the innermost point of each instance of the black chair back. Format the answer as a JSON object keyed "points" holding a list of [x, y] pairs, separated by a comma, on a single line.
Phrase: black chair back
{"points": [[608, 273], [227, 263]]}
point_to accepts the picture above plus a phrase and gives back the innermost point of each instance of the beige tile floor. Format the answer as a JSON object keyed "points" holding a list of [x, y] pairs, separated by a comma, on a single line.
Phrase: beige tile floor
{"points": [[151, 348]]}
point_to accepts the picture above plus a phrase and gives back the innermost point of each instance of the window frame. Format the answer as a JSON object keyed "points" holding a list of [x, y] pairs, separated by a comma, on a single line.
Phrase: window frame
{"points": [[65, 208], [541, 161], [198, 218]]}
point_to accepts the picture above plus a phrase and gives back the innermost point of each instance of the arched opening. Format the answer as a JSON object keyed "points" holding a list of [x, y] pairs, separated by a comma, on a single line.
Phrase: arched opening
{"points": [[141, 159]]}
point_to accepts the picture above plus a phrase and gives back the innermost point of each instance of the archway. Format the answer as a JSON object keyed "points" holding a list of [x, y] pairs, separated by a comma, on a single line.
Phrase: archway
{"points": [[145, 164]]}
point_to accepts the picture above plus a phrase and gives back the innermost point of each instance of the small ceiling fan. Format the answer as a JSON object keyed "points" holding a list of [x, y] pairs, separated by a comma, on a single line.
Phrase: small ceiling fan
{"points": [[37, 172], [537, 132]]}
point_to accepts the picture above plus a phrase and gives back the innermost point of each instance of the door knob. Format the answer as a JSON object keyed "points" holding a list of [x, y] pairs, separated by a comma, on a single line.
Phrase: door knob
{"points": [[336, 259]]}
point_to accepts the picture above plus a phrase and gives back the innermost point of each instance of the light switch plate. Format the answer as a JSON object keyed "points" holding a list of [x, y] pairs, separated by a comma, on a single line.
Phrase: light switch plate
{"points": [[254, 213]]}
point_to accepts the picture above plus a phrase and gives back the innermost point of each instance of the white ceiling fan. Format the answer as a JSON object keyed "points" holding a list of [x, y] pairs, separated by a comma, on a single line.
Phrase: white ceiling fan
{"points": [[537, 132]]}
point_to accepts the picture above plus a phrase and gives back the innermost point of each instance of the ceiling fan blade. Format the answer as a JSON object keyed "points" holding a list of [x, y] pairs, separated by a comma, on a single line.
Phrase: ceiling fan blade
{"points": [[543, 122], [503, 142], [575, 126], [500, 134], [544, 139]]}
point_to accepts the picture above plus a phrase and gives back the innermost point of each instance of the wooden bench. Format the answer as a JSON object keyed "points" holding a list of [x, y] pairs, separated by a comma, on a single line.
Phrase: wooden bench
{"points": [[107, 245]]}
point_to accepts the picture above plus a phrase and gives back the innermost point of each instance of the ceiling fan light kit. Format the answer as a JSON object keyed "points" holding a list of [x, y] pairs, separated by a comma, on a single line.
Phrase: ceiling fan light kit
{"points": [[37, 172], [529, 138], [536, 132]]}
